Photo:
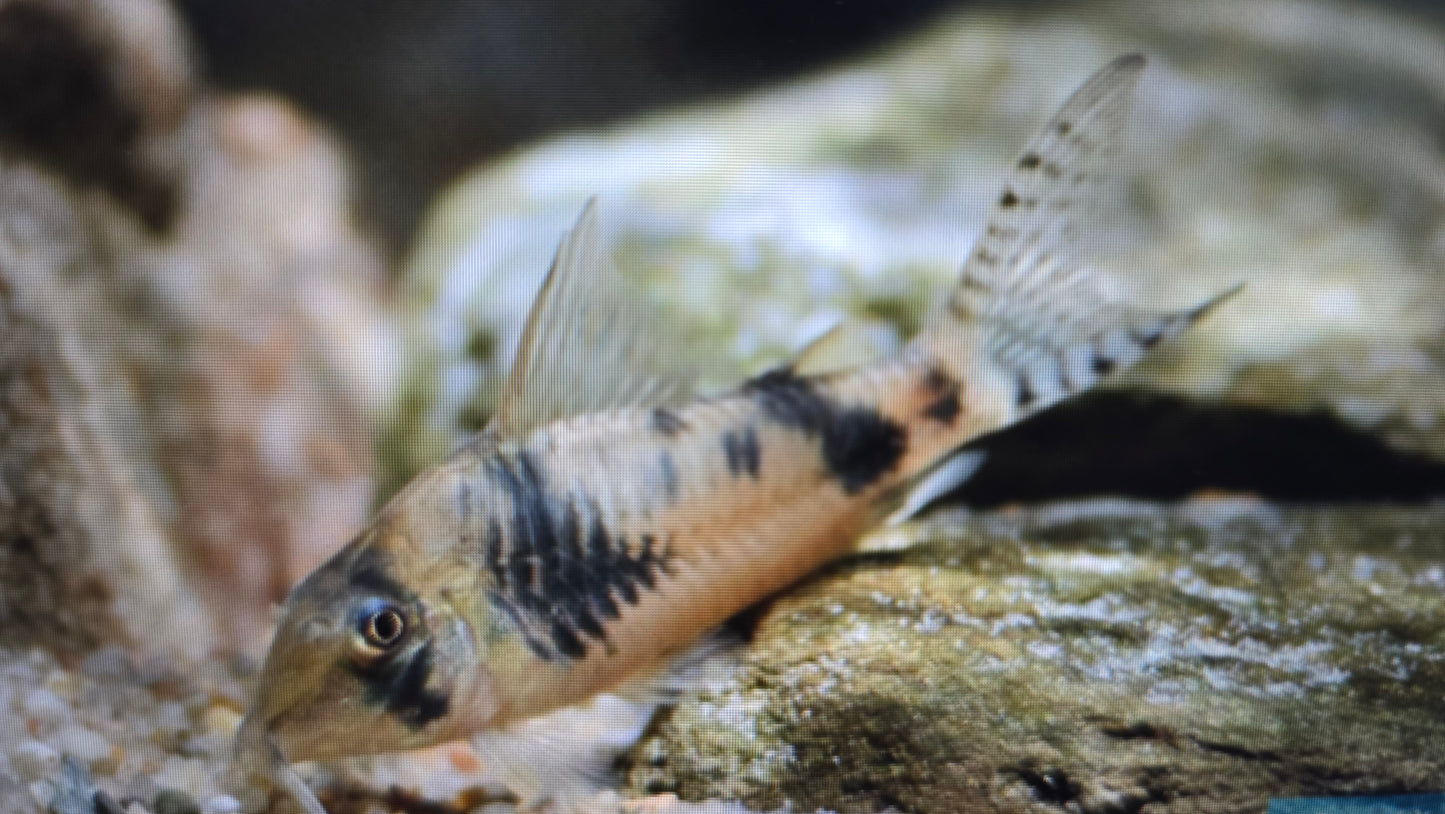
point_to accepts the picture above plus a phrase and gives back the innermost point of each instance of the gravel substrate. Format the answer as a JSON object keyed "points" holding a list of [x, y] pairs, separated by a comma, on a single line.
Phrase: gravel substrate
{"points": [[108, 735], [148, 740]]}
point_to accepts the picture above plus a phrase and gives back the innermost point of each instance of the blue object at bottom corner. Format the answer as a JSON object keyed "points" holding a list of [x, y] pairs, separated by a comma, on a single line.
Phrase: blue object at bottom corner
{"points": [[1402, 804]]}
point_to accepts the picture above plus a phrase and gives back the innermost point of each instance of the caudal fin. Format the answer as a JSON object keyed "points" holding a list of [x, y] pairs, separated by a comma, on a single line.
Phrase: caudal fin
{"points": [[1026, 325]]}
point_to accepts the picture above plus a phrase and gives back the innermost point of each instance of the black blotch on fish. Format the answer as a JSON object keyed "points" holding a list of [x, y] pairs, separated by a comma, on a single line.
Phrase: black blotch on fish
{"points": [[464, 501], [667, 423], [492, 554], [641, 571], [1103, 365], [370, 571], [743, 454], [1147, 339], [943, 389], [1029, 161], [1008, 200], [859, 445], [668, 469], [1064, 128], [400, 686], [1025, 394], [565, 640], [558, 573]]}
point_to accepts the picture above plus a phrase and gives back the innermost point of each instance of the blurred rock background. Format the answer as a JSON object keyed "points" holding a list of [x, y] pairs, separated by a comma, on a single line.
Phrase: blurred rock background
{"points": [[193, 340], [259, 263], [503, 73]]}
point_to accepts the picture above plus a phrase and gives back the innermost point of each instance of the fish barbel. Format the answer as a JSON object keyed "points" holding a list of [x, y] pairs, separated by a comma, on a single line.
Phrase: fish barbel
{"points": [[607, 518]]}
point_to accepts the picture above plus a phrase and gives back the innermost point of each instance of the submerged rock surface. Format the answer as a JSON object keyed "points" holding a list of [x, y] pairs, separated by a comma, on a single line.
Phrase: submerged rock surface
{"points": [[1295, 152], [1099, 656]]}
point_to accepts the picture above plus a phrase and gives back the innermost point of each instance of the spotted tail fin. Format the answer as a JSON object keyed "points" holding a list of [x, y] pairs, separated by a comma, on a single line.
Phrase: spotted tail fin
{"points": [[1026, 325]]}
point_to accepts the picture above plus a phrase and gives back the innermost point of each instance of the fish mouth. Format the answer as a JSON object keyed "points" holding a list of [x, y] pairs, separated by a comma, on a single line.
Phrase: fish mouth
{"points": [[256, 754]]}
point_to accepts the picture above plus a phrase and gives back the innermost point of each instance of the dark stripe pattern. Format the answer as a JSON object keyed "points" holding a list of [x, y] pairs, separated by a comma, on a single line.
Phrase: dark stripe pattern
{"points": [[743, 453], [400, 686], [859, 445], [667, 469], [370, 572], [667, 423], [943, 397], [558, 571], [397, 681]]}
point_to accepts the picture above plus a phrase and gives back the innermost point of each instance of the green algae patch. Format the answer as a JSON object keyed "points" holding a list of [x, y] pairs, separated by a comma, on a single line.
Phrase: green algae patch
{"points": [[1093, 656]]}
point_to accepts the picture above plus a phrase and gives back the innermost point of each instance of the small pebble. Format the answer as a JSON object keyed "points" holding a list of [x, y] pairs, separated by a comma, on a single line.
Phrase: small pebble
{"points": [[222, 804], [35, 760], [10, 789], [42, 792], [138, 787], [65, 684], [83, 744], [46, 708], [74, 791], [173, 801], [171, 718], [17, 672], [463, 759], [657, 803], [191, 776], [108, 663], [254, 800], [222, 720], [105, 804], [211, 744]]}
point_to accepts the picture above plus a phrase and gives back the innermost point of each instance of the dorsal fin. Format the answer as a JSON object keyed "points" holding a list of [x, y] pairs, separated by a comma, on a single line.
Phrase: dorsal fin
{"points": [[817, 354], [844, 345], [591, 343]]}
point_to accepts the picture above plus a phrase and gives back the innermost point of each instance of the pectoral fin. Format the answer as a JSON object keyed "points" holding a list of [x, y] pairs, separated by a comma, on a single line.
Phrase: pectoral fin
{"points": [[559, 761], [944, 478]]}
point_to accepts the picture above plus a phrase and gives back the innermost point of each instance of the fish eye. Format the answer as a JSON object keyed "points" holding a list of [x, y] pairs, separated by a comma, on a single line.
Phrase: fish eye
{"points": [[381, 627]]}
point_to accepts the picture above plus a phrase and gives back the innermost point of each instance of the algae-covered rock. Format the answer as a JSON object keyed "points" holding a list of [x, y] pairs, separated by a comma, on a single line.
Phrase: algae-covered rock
{"points": [[1088, 657], [1284, 144]]}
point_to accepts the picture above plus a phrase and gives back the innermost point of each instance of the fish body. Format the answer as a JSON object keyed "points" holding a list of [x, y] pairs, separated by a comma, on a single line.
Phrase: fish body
{"points": [[607, 518], [599, 544]]}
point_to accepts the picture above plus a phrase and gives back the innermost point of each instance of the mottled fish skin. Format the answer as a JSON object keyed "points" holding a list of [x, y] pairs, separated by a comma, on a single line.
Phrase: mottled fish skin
{"points": [[544, 563], [611, 541]]}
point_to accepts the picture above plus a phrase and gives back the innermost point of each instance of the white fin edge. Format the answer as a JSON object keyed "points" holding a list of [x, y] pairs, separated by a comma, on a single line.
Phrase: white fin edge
{"points": [[944, 478], [559, 761]]}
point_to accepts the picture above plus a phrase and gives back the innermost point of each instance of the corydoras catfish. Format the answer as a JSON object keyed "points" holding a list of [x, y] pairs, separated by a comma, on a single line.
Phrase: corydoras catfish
{"points": [[607, 518]]}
